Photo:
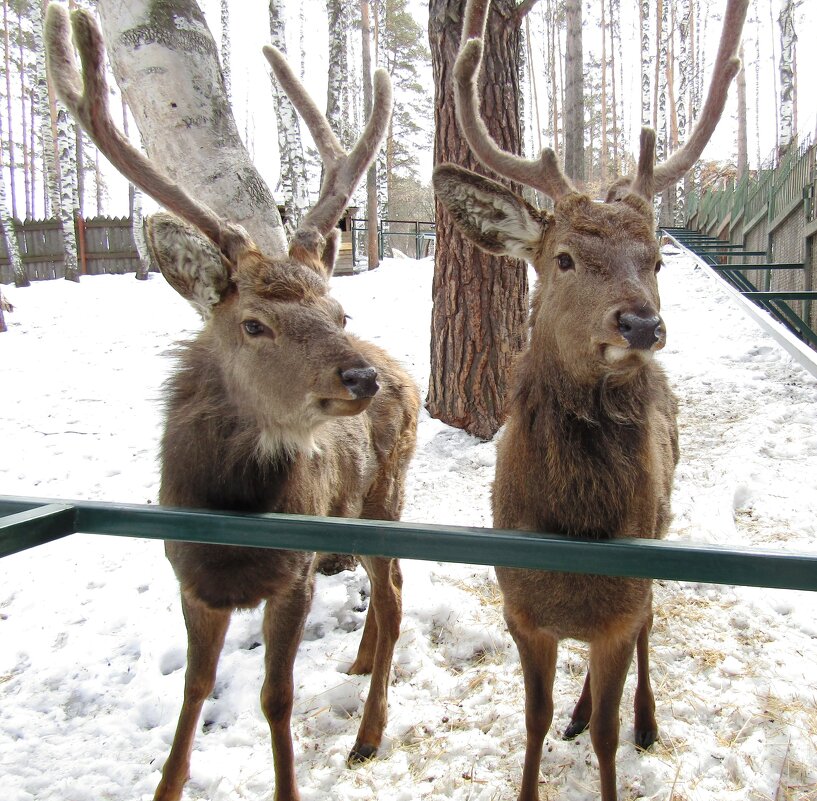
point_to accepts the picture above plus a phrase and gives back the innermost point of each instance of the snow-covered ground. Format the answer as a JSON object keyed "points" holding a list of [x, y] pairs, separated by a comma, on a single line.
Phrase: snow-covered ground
{"points": [[92, 640]]}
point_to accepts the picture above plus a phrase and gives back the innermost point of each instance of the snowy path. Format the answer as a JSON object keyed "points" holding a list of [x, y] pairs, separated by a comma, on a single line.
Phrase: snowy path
{"points": [[92, 656]]}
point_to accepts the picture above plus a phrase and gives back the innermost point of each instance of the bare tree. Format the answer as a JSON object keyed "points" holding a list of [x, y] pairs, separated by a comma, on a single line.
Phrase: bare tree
{"points": [[743, 145], [373, 255]]}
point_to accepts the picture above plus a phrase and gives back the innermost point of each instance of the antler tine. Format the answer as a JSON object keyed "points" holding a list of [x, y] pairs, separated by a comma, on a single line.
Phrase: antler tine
{"points": [[86, 96], [343, 170], [644, 181], [727, 65], [543, 174]]}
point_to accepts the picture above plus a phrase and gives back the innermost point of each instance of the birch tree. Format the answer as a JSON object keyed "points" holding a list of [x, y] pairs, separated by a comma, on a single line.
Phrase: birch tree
{"points": [[10, 119], [644, 22], [337, 110], [293, 180], [158, 53], [371, 174], [788, 39], [10, 237], [743, 144], [226, 49]]}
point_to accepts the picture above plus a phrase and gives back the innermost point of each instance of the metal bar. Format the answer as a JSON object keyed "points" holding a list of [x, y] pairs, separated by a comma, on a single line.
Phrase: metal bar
{"points": [[31, 527], [777, 266], [782, 295], [685, 561], [702, 252]]}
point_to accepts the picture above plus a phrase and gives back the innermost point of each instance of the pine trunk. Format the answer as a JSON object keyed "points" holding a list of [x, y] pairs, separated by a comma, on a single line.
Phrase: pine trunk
{"points": [[479, 301], [743, 145], [603, 166], [160, 51], [371, 174], [574, 95]]}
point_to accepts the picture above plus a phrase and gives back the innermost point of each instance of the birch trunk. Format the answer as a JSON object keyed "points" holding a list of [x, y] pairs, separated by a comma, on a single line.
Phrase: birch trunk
{"points": [[9, 118], [787, 39], [166, 62], [68, 202], [226, 68], [644, 21], [336, 114], [10, 237], [681, 110], [290, 147]]}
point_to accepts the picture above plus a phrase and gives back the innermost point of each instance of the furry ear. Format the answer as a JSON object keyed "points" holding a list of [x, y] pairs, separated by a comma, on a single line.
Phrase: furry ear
{"points": [[489, 214], [189, 261], [311, 249]]}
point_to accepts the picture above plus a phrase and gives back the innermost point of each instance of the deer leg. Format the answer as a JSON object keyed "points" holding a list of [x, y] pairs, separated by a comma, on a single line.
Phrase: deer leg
{"points": [[646, 727], [206, 629], [368, 642], [283, 627], [386, 605], [537, 654], [581, 713], [609, 661]]}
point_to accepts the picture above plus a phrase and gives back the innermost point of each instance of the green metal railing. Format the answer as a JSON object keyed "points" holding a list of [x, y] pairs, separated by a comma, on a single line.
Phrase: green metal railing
{"points": [[29, 522]]}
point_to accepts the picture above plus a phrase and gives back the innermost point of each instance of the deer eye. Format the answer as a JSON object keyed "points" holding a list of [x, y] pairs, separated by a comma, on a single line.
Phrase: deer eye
{"points": [[253, 327], [565, 262], [346, 319], [658, 265]]}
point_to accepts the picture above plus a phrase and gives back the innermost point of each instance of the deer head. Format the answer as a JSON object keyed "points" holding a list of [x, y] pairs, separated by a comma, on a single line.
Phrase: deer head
{"points": [[596, 305], [274, 331]]}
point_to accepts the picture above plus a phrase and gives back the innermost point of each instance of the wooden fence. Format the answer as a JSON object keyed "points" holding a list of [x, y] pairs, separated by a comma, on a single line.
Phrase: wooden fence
{"points": [[105, 246], [771, 210]]}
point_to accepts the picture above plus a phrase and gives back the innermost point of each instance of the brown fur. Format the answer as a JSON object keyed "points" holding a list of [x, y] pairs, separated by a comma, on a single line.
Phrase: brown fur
{"points": [[589, 447], [264, 424]]}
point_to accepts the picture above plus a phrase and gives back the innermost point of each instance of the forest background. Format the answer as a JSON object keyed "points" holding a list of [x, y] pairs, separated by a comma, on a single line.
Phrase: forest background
{"points": [[634, 71]]}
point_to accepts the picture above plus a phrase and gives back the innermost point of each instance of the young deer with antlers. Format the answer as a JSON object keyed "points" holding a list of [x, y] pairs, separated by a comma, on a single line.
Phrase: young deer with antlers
{"points": [[273, 408], [591, 440]]}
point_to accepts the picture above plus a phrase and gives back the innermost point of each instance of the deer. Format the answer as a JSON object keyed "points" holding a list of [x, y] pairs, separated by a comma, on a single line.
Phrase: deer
{"points": [[273, 407], [590, 443]]}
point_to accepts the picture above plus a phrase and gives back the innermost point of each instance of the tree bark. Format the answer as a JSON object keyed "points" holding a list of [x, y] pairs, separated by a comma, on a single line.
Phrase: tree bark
{"points": [[743, 144], [787, 39], [603, 156], [373, 256], [293, 166], [479, 301], [166, 63], [574, 95], [644, 21]]}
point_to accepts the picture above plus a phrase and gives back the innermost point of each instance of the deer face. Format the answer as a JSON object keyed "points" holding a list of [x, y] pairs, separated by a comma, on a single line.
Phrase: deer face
{"points": [[276, 334], [596, 303]]}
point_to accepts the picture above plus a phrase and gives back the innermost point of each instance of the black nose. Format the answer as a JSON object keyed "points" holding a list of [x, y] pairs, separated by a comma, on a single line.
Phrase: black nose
{"points": [[360, 381], [640, 331]]}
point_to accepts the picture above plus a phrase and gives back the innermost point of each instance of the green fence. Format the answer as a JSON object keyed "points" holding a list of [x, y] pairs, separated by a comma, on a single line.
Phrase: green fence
{"points": [[29, 522]]}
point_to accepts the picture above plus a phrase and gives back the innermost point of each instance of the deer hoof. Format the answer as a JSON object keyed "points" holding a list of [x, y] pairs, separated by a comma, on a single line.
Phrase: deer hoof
{"points": [[574, 729], [644, 738], [361, 753]]}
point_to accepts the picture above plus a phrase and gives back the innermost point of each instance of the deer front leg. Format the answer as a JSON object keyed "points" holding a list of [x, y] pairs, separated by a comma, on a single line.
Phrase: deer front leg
{"points": [[537, 654], [646, 727], [206, 629], [609, 661], [284, 620], [386, 606], [368, 642]]}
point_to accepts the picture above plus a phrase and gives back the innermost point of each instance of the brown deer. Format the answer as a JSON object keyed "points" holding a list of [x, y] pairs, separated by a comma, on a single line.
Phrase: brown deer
{"points": [[273, 408], [591, 441]]}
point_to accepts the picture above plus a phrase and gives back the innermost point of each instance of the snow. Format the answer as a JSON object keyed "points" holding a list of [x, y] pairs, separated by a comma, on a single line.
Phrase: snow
{"points": [[92, 640]]}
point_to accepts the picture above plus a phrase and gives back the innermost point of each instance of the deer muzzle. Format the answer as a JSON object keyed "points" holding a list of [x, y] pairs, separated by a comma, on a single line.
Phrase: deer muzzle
{"points": [[361, 382], [642, 331]]}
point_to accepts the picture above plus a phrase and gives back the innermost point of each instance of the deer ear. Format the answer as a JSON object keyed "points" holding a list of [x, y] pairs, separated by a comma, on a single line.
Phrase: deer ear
{"points": [[489, 214], [189, 261]]}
